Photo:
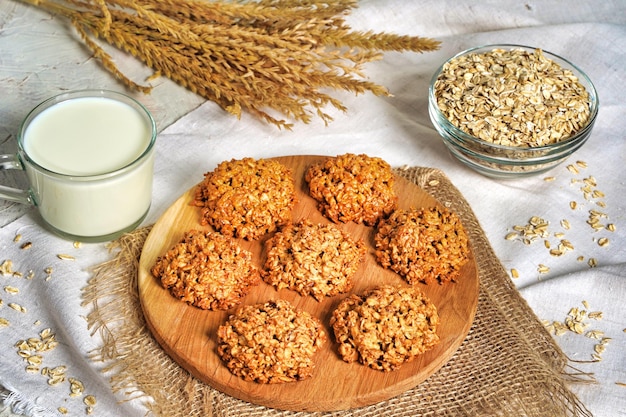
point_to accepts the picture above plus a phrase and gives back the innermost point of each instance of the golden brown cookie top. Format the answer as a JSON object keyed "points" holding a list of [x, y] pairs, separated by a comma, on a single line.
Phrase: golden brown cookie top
{"points": [[247, 198], [350, 187], [313, 259], [270, 343], [385, 326], [207, 270], [426, 245]]}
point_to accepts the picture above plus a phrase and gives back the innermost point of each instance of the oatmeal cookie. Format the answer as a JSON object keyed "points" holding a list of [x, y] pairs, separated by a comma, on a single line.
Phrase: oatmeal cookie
{"points": [[385, 327], [207, 270], [350, 187], [315, 259], [247, 198], [270, 342], [427, 245]]}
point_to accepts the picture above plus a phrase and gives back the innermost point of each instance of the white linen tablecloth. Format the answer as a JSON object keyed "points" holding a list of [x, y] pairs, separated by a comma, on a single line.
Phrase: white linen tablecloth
{"points": [[40, 56]]}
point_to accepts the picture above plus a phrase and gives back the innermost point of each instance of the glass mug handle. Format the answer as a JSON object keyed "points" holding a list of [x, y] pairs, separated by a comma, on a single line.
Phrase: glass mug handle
{"points": [[11, 161]]}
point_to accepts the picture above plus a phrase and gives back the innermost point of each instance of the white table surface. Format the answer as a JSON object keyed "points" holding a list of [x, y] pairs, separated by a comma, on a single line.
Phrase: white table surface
{"points": [[41, 56]]}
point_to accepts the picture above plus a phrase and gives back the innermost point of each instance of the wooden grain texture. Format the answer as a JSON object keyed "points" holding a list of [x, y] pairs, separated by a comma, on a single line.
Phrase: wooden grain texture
{"points": [[188, 334]]}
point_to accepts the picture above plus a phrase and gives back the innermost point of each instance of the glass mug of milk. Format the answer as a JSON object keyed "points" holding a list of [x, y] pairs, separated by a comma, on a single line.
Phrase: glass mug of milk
{"points": [[88, 156]]}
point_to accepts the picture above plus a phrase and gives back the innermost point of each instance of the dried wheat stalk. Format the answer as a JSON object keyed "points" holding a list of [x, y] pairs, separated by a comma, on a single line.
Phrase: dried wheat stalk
{"points": [[267, 57]]}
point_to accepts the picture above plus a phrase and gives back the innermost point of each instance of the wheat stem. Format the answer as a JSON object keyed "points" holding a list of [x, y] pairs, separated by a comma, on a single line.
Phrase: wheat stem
{"points": [[263, 57]]}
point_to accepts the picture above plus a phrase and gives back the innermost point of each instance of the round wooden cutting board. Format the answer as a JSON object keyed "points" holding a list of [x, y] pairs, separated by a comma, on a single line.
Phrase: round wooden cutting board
{"points": [[188, 334]]}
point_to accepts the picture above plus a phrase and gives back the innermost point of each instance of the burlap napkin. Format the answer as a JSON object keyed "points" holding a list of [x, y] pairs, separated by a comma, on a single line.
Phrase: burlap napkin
{"points": [[508, 365]]}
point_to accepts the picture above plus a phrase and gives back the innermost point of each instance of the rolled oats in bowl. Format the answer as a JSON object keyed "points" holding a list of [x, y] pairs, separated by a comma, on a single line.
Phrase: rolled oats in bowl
{"points": [[511, 110]]}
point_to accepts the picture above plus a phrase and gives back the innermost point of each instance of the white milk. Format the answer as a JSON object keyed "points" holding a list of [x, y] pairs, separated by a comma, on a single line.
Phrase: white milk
{"points": [[87, 139]]}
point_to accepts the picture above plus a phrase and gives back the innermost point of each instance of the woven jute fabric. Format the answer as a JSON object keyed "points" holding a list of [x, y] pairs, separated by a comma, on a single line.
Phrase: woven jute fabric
{"points": [[508, 365]]}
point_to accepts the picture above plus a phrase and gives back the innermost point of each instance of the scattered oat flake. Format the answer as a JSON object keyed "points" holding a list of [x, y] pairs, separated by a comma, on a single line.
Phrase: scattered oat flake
{"points": [[32, 369], [549, 179], [90, 400], [63, 410], [595, 315], [56, 380], [572, 205], [77, 244], [559, 328], [591, 180], [603, 241], [17, 307], [4, 322], [576, 326], [76, 387], [621, 384], [17, 238], [11, 290], [514, 273], [572, 168], [26, 245], [595, 334], [543, 269], [581, 164], [6, 267], [34, 360], [55, 375], [592, 262], [58, 370], [597, 213], [535, 228], [65, 257]]}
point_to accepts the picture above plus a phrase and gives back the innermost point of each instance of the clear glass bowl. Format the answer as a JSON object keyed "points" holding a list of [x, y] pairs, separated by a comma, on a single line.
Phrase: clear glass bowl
{"points": [[501, 161]]}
